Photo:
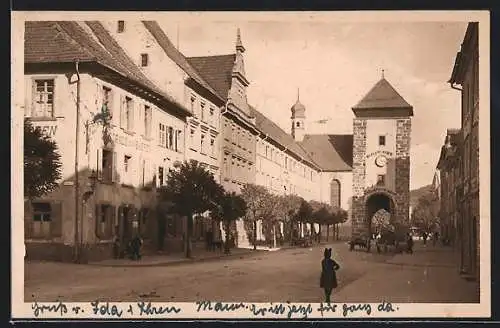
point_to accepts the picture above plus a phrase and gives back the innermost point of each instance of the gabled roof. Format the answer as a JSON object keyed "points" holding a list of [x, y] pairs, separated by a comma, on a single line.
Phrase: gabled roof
{"points": [[332, 152], [216, 70], [68, 41], [154, 28], [273, 131], [382, 95]]}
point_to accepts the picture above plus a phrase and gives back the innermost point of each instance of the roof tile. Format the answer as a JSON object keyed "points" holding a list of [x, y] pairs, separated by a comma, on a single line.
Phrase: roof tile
{"points": [[332, 152], [382, 95], [216, 70]]}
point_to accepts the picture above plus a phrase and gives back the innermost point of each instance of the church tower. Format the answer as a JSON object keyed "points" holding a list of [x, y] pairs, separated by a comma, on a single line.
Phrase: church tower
{"points": [[239, 82], [381, 158], [298, 119]]}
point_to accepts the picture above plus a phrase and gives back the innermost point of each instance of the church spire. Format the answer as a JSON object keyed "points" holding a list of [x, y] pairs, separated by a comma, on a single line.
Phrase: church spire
{"points": [[239, 44]]}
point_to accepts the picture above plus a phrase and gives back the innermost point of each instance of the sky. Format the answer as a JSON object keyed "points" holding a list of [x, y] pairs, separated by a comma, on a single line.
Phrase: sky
{"points": [[334, 64]]}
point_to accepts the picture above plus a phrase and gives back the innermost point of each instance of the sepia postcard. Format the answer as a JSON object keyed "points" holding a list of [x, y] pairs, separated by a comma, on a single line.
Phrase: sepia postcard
{"points": [[250, 165]]}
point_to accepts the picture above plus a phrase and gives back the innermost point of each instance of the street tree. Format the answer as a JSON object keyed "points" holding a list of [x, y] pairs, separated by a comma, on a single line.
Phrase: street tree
{"points": [[229, 208], [42, 162], [256, 199], [321, 215], [291, 204], [303, 214], [425, 213], [190, 189]]}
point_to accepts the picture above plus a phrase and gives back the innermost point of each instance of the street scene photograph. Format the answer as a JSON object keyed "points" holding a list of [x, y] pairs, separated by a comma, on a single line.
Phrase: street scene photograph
{"points": [[241, 159]]}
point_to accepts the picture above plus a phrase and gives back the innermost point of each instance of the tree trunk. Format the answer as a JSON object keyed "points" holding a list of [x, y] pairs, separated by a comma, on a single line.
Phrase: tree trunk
{"points": [[227, 227], [274, 235], [338, 230], [188, 235], [327, 232], [319, 231], [254, 235]]}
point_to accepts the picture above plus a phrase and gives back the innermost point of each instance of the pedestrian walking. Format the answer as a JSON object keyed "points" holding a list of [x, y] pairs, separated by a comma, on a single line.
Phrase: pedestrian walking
{"points": [[435, 238], [424, 237], [328, 280], [409, 243]]}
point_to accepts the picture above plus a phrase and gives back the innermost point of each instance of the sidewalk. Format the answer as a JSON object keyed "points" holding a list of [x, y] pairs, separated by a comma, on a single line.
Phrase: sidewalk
{"points": [[158, 259], [429, 275]]}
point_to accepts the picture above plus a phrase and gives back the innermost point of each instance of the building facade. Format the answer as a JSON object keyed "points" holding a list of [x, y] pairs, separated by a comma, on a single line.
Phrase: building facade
{"points": [[81, 71], [465, 78], [381, 157], [449, 171]]}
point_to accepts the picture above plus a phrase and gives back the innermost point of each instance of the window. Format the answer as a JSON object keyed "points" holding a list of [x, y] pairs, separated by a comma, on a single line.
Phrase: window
{"points": [[121, 26], [160, 176], [107, 165], [126, 163], [298, 124], [193, 103], [43, 98], [104, 221], [107, 100], [162, 135], [212, 146], [129, 113], [147, 120], [212, 110], [335, 193], [381, 140], [191, 137], [202, 107], [144, 60], [170, 137], [41, 219], [177, 140], [202, 143], [380, 179]]}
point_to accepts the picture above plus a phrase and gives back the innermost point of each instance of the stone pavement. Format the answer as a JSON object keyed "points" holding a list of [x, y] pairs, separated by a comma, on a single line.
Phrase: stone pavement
{"points": [[429, 275]]}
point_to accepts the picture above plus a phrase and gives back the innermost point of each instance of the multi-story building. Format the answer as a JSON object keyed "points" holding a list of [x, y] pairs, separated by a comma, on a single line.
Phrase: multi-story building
{"points": [[157, 57], [465, 78], [226, 74], [448, 167], [74, 71]]}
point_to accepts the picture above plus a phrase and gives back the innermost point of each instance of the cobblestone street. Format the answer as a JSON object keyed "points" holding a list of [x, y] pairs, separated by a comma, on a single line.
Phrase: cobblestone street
{"points": [[286, 275]]}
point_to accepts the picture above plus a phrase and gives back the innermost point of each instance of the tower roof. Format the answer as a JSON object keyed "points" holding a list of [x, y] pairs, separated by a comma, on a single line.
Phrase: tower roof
{"points": [[298, 108], [383, 96]]}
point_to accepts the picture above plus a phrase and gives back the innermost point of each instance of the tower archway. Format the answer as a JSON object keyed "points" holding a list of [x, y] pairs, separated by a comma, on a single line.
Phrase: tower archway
{"points": [[376, 202]]}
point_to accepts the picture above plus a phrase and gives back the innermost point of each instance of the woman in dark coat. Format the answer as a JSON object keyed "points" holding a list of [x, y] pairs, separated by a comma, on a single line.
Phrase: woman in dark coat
{"points": [[328, 280]]}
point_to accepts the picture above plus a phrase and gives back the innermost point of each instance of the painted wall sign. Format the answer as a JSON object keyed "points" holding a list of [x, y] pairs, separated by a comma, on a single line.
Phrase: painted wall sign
{"points": [[379, 152], [129, 142], [49, 130]]}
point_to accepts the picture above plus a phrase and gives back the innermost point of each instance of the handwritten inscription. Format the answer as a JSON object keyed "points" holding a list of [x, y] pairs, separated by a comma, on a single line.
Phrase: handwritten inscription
{"points": [[59, 308], [283, 310]]}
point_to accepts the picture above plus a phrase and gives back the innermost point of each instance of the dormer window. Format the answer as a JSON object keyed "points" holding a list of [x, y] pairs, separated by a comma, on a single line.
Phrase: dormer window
{"points": [[144, 60], [121, 26]]}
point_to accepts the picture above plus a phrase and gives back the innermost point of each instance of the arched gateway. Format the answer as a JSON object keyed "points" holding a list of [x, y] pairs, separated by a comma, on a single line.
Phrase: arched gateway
{"points": [[381, 158]]}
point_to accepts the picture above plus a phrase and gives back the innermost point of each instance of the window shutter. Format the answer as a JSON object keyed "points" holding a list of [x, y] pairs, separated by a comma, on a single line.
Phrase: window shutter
{"points": [[99, 167], [123, 113], [114, 169], [98, 221], [57, 219], [28, 220]]}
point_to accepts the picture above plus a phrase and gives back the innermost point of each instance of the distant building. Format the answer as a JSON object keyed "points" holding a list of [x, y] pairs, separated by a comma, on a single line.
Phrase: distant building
{"points": [[77, 66], [466, 75]]}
